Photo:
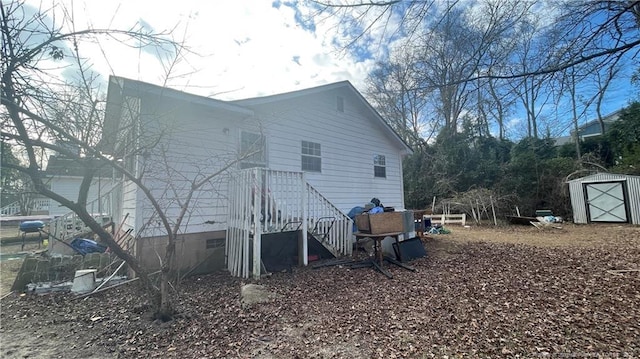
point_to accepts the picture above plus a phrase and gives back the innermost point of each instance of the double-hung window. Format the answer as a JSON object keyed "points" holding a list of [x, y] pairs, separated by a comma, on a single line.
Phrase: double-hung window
{"points": [[379, 166], [311, 157]]}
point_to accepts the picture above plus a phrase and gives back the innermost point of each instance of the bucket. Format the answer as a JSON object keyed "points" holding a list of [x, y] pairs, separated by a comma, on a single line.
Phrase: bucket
{"points": [[84, 281]]}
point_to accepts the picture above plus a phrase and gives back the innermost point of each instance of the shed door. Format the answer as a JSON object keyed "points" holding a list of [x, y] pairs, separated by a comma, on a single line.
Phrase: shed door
{"points": [[606, 202]]}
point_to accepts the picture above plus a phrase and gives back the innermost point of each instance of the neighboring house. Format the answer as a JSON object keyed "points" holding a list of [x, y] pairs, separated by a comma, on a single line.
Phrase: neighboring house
{"points": [[64, 177], [593, 128], [298, 161], [590, 129]]}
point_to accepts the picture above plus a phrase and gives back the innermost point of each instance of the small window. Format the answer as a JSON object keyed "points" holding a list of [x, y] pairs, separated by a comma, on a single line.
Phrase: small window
{"points": [[340, 104], [379, 166], [311, 157], [253, 149]]}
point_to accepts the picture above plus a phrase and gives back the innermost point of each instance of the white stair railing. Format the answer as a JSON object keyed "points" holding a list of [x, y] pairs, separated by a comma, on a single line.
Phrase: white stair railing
{"points": [[281, 201], [336, 233], [37, 205]]}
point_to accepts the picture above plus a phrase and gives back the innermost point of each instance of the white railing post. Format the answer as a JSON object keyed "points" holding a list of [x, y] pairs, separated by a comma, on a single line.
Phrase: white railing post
{"points": [[305, 227], [257, 233]]}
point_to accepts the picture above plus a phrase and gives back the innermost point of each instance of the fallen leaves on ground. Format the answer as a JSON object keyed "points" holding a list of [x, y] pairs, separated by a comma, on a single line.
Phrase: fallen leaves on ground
{"points": [[485, 300]]}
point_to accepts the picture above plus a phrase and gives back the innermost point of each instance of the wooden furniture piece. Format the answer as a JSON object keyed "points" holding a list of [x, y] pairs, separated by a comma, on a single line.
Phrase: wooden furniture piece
{"points": [[379, 257], [377, 242]]}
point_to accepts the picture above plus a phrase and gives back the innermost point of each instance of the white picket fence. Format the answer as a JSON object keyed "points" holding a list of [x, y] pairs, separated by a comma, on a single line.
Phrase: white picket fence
{"points": [[443, 219], [280, 201], [37, 205]]}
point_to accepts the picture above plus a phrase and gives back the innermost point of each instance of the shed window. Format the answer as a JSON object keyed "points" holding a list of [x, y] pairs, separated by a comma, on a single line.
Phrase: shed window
{"points": [[379, 166], [311, 157]]}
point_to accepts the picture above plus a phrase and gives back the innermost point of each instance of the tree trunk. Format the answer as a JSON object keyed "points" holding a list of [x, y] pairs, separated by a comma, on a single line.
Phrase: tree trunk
{"points": [[165, 310]]}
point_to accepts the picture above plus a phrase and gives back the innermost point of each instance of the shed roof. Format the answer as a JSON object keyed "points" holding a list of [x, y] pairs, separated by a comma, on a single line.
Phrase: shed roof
{"points": [[603, 176]]}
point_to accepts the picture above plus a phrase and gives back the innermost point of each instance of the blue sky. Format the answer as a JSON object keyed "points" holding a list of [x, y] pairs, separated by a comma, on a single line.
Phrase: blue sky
{"points": [[239, 49], [247, 48]]}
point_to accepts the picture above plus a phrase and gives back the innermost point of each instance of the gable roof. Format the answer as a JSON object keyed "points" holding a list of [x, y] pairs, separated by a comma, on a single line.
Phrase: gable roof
{"points": [[325, 88], [64, 166], [120, 87], [134, 87]]}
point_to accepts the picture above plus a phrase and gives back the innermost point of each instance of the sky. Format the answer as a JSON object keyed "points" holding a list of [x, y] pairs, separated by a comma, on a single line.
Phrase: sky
{"points": [[236, 49], [244, 48]]}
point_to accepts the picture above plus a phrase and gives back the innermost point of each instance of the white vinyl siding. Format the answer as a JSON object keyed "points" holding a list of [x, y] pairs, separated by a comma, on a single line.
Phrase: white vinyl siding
{"points": [[348, 141], [68, 187], [201, 139], [198, 142], [129, 132]]}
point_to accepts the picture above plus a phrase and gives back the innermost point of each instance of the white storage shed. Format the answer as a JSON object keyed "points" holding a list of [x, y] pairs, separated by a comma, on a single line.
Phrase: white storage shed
{"points": [[605, 197]]}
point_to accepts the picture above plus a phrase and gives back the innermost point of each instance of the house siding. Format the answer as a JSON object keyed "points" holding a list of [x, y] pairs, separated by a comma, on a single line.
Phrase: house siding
{"points": [[129, 202], [349, 140], [68, 186], [200, 141], [200, 137]]}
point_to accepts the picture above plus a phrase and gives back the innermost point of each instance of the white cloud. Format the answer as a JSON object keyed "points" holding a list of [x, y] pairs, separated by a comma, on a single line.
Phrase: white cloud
{"points": [[240, 48]]}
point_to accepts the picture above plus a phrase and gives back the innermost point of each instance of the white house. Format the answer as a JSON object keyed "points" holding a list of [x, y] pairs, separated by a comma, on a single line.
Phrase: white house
{"points": [[64, 177], [592, 128], [298, 161]]}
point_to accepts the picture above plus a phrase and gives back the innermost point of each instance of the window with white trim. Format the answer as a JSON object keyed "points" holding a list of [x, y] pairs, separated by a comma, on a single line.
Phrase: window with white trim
{"points": [[379, 166], [311, 157], [253, 147]]}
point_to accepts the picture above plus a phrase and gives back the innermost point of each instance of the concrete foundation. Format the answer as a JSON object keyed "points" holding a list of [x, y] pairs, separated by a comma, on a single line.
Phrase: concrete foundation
{"points": [[196, 253]]}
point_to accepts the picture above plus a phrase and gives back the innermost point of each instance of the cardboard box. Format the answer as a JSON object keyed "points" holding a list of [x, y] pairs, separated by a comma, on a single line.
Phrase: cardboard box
{"points": [[387, 222]]}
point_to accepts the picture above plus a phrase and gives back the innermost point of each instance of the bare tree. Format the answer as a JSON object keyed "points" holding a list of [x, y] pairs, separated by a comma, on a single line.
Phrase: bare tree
{"points": [[600, 30], [603, 80], [441, 56], [45, 113], [395, 93]]}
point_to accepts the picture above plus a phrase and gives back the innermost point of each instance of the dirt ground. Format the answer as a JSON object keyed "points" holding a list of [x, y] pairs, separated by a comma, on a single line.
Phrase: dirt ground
{"points": [[13, 249], [513, 292]]}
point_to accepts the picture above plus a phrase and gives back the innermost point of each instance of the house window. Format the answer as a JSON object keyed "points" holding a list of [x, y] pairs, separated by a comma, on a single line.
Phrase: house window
{"points": [[311, 157], [252, 150], [340, 104], [379, 166]]}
